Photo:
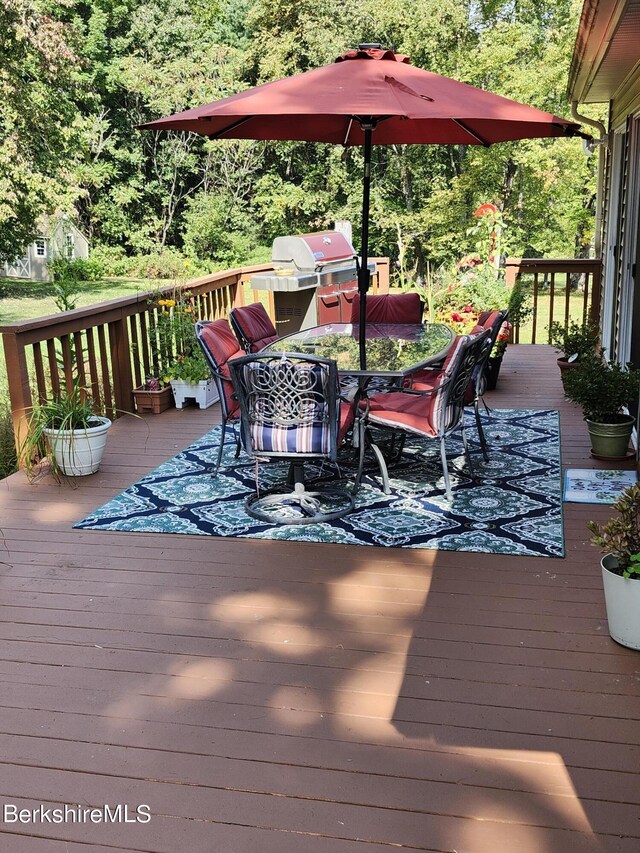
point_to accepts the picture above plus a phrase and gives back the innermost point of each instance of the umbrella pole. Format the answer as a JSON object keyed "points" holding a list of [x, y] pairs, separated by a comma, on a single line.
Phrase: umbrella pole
{"points": [[363, 274]]}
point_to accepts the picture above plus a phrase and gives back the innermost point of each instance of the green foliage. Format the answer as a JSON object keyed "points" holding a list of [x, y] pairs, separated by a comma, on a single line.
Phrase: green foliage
{"points": [[169, 264], [39, 77], [109, 65], [76, 269], [8, 458], [65, 294], [189, 368], [575, 339], [174, 344], [113, 260], [602, 388], [620, 536]]}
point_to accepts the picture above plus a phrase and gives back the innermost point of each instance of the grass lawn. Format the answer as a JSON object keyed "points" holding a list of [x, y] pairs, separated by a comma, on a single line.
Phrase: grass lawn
{"points": [[25, 300], [576, 303]]}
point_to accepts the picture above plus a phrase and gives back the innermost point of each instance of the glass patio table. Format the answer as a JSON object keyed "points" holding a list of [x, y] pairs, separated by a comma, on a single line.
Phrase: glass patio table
{"points": [[393, 349]]}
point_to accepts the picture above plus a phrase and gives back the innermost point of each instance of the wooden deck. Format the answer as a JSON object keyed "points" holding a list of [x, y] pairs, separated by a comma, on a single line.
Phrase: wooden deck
{"points": [[270, 697]]}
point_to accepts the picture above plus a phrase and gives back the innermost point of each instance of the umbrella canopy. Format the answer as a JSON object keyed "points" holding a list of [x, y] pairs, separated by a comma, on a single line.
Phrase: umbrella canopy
{"points": [[368, 95]]}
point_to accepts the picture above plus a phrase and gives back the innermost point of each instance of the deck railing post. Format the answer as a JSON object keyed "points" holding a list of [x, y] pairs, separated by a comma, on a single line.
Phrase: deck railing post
{"points": [[121, 365], [19, 388]]}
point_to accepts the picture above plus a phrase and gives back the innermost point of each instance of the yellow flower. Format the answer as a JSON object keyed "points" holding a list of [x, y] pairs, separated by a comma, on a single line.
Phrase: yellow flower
{"points": [[167, 303]]}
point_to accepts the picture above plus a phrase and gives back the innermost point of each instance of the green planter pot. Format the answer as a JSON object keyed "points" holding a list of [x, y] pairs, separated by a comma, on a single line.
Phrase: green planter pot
{"points": [[611, 440]]}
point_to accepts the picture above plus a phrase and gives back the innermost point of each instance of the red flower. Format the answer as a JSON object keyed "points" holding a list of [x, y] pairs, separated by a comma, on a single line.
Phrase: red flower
{"points": [[468, 309], [457, 318], [486, 209]]}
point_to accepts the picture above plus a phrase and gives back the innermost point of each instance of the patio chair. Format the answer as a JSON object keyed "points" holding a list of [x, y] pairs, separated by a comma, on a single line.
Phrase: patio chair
{"points": [[253, 327], [389, 308], [220, 346], [423, 381], [290, 409], [436, 412]]}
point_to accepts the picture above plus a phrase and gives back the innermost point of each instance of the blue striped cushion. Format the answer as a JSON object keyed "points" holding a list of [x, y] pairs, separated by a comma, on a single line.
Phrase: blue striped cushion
{"points": [[292, 415]]}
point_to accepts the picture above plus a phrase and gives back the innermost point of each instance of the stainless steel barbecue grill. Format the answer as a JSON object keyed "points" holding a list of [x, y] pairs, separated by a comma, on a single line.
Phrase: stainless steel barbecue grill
{"points": [[314, 280]]}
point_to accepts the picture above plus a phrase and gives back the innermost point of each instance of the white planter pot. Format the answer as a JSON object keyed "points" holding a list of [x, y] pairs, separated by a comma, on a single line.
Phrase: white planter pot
{"points": [[622, 597], [204, 393], [78, 452]]}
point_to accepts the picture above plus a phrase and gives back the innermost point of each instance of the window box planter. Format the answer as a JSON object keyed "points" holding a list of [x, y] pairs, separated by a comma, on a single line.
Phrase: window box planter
{"points": [[204, 393], [152, 402]]}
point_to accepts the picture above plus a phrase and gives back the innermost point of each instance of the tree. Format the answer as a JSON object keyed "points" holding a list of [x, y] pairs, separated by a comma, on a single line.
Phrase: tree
{"points": [[39, 74]]}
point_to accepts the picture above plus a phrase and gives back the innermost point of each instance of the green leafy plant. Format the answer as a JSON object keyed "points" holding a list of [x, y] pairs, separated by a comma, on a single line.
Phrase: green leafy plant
{"points": [[620, 536], [76, 269], [8, 459], [602, 388], [69, 410], [577, 339], [174, 343], [189, 368]]}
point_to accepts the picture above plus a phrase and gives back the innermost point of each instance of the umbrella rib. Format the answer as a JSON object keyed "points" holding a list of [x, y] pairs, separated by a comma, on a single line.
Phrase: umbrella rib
{"points": [[227, 129], [346, 136], [472, 133]]}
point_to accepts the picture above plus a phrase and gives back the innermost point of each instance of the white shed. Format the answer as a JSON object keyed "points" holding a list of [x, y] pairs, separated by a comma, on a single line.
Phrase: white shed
{"points": [[58, 237]]}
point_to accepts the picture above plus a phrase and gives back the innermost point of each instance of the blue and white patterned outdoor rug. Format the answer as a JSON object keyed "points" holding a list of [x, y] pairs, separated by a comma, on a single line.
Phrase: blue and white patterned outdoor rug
{"points": [[595, 485], [511, 505]]}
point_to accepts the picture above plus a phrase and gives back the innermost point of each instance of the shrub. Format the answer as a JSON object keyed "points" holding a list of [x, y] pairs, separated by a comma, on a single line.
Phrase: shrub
{"points": [[8, 458], [76, 269], [114, 260], [602, 388], [167, 264], [621, 535], [578, 339]]}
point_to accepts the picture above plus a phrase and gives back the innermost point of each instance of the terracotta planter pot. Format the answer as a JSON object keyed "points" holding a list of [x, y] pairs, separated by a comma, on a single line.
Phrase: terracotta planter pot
{"points": [[622, 597], [564, 364], [152, 402]]}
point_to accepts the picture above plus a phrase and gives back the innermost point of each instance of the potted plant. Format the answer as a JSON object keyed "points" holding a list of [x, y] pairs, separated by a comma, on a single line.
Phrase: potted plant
{"points": [[190, 378], [175, 347], [68, 433], [603, 389], [152, 397], [574, 341], [619, 539]]}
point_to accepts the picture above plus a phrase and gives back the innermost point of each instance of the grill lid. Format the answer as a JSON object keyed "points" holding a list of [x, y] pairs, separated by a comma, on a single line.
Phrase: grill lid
{"points": [[306, 252]]}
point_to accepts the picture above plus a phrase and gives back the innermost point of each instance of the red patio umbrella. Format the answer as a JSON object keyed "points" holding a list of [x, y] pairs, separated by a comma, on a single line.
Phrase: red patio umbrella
{"points": [[366, 95]]}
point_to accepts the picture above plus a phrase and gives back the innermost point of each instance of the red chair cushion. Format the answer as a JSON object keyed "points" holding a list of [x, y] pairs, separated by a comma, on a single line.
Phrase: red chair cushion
{"points": [[452, 355], [407, 411], [488, 318], [389, 308], [256, 326], [223, 346], [347, 414]]}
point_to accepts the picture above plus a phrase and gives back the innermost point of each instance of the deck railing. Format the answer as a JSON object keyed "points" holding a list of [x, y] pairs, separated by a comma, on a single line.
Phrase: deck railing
{"points": [[108, 347], [561, 289]]}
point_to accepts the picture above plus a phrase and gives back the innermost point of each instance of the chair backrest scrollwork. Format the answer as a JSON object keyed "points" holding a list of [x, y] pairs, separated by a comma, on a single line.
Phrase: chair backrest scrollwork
{"points": [[288, 404]]}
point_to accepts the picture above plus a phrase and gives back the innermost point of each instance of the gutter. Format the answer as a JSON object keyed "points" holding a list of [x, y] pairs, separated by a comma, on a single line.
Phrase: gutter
{"points": [[603, 143]]}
